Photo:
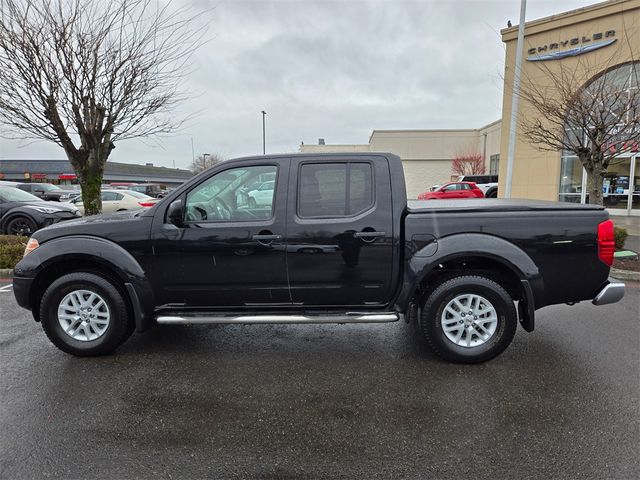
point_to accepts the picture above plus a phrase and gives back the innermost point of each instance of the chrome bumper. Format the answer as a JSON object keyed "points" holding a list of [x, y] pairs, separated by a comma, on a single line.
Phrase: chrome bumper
{"points": [[611, 293]]}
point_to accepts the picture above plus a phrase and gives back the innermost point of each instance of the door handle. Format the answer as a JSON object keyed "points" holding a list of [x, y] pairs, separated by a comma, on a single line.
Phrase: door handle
{"points": [[262, 238], [368, 236], [266, 238]]}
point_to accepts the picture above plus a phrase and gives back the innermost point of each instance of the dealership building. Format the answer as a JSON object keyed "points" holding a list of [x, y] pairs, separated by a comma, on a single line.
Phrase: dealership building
{"points": [[60, 172], [601, 39]]}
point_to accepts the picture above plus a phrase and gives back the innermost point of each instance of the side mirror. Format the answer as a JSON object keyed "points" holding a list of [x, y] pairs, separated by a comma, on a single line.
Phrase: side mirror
{"points": [[175, 213]]}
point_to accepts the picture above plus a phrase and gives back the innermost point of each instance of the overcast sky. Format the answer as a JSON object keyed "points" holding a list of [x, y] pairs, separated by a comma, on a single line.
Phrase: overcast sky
{"points": [[332, 69]]}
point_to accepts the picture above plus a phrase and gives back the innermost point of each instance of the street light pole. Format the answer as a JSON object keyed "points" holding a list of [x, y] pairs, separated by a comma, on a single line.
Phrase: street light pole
{"points": [[263, 133], [514, 100]]}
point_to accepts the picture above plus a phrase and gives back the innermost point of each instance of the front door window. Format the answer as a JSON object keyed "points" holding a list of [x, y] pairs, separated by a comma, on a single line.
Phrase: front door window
{"points": [[235, 195]]}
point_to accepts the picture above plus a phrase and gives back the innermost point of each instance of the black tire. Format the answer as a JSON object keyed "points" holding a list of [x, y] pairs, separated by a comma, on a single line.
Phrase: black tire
{"points": [[492, 193], [252, 202], [437, 301], [118, 330], [21, 226]]}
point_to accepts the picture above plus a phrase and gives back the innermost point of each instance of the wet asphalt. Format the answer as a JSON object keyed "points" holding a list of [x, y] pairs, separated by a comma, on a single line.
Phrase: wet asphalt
{"points": [[350, 401]]}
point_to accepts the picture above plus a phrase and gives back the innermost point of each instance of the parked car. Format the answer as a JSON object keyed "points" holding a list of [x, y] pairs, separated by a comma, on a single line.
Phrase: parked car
{"points": [[22, 213], [487, 183], [263, 195], [450, 191], [45, 191], [119, 201], [155, 190], [468, 271], [69, 194]]}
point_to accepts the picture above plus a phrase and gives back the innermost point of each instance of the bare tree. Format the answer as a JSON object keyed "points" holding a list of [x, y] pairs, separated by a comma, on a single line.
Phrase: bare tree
{"points": [[468, 164], [205, 161], [596, 118], [87, 73]]}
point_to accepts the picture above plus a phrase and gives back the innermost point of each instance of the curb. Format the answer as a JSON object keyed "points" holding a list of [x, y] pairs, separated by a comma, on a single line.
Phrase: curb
{"points": [[6, 272], [625, 275]]}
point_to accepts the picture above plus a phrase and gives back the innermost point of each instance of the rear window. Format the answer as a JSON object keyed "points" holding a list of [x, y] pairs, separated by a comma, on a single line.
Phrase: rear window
{"points": [[137, 194]]}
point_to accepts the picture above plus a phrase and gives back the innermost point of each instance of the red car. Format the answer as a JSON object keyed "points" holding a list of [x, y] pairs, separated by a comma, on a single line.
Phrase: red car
{"points": [[453, 190]]}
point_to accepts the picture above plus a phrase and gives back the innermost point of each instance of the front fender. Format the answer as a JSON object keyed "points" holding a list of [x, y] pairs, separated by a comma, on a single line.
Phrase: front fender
{"points": [[107, 254], [425, 260]]}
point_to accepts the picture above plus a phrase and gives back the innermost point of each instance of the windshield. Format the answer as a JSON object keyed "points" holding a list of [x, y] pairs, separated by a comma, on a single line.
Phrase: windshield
{"points": [[10, 194], [137, 194], [47, 187]]}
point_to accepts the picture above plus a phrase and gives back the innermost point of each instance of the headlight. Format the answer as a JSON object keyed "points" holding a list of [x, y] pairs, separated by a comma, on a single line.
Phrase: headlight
{"points": [[44, 209], [32, 244]]}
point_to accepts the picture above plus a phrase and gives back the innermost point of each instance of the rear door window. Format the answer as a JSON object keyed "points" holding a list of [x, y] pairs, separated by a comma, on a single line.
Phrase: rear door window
{"points": [[109, 196], [330, 190]]}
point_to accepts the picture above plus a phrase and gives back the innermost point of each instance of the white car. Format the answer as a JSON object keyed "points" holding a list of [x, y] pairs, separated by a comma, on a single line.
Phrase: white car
{"points": [[263, 195], [487, 183], [119, 201]]}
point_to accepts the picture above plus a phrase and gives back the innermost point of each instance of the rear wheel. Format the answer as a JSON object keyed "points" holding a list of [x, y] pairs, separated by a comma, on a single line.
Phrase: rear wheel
{"points": [[469, 319], [85, 315], [492, 193]]}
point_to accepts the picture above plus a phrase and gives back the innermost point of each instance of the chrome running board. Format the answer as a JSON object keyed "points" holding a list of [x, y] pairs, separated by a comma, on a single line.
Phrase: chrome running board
{"points": [[349, 317]]}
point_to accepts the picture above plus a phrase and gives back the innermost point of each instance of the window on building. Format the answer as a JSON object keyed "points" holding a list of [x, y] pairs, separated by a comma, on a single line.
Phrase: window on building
{"points": [[334, 189], [494, 164]]}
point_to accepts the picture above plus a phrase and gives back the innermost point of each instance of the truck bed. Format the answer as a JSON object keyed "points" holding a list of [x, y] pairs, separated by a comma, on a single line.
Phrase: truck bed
{"points": [[494, 205]]}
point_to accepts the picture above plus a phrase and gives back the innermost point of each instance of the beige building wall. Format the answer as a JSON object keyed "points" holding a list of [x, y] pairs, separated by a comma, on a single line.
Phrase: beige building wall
{"points": [[421, 175], [425, 144], [536, 173], [493, 132]]}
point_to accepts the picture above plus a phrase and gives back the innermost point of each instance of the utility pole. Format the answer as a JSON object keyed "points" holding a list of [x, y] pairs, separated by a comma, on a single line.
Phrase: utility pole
{"points": [[263, 133], [514, 100]]}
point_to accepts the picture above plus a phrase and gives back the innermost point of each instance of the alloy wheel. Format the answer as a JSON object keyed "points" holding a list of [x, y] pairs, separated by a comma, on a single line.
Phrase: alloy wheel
{"points": [[469, 320], [83, 315]]}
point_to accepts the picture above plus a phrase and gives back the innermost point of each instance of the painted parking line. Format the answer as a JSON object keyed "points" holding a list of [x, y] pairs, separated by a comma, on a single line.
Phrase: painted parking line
{"points": [[6, 288]]}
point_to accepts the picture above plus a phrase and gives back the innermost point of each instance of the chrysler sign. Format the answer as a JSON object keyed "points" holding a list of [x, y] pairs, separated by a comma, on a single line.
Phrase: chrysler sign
{"points": [[556, 51]]}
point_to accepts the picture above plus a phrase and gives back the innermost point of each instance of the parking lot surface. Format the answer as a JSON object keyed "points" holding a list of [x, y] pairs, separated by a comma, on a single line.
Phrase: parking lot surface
{"points": [[352, 401]]}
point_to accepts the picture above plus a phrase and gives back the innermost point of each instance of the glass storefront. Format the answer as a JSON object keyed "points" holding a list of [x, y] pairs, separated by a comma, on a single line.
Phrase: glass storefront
{"points": [[620, 189], [621, 185], [570, 180]]}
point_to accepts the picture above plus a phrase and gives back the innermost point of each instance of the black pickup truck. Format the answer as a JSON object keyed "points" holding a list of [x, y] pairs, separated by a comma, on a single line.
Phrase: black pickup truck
{"points": [[323, 238]]}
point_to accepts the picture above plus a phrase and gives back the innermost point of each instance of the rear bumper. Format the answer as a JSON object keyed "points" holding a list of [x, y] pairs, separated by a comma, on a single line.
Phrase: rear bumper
{"points": [[612, 292]]}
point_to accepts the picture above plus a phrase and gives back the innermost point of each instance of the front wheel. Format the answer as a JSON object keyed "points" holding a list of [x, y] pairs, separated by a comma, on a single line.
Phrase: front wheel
{"points": [[85, 315], [21, 226], [469, 319]]}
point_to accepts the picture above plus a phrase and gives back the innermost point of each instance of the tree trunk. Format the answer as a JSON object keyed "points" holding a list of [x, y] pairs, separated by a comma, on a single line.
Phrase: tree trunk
{"points": [[89, 166], [595, 179]]}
